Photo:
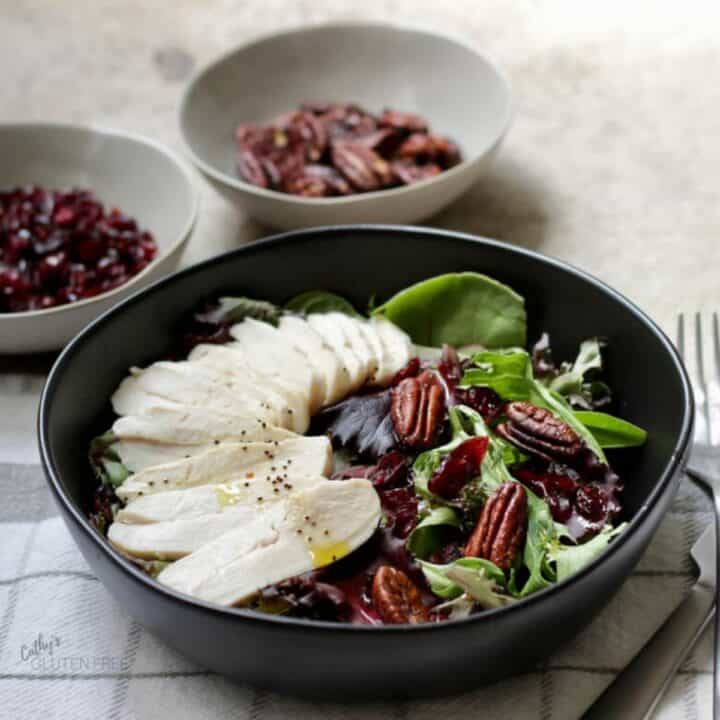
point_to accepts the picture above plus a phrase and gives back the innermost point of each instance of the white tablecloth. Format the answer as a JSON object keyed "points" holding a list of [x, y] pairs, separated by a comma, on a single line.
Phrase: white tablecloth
{"points": [[68, 651]]}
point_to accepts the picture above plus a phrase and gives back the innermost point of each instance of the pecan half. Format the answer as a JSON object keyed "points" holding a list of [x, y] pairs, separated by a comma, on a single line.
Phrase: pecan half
{"points": [[250, 168], [417, 409], [538, 432], [364, 169], [407, 122], [427, 147], [396, 597], [501, 527], [309, 131], [408, 172], [317, 181]]}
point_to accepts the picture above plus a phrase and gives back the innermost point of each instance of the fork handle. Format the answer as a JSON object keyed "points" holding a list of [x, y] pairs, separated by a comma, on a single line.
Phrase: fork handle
{"points": [[637, 690], [709, 484]]}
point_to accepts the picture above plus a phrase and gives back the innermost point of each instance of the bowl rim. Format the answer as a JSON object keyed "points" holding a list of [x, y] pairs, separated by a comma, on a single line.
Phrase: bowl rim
{"points": [[175, 160], [227, 180], [134, 573]]}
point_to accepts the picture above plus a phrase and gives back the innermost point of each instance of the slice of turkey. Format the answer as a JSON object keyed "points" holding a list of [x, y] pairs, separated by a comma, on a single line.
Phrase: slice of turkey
{"points": [[232, 361], [335, 378], [164, 434], [273, 353], [182, 383], [233, 461], [397, 345], [173, 524], [257, 491], [170, 540], [334, 335], [321, 525]]}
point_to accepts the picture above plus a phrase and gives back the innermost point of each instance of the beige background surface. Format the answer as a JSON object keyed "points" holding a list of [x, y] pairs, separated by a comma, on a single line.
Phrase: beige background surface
{"points": [[611, 163]]}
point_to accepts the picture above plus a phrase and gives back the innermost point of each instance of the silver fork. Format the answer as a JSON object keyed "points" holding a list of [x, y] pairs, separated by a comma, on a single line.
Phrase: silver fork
{"points": [[702, 360]]}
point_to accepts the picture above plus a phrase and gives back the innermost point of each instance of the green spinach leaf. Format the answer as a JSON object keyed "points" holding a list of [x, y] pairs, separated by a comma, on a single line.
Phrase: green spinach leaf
{"points": [[105, 462], [589, 358], [541, 533], [459, 309], [569, 559], [480, 579], [433, 531], [509, 373], [610, 431], [236, 309]]}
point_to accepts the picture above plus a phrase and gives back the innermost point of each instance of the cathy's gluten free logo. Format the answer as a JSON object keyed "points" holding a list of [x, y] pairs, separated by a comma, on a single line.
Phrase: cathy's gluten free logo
{"points": [[46, 653], [41, 646]]}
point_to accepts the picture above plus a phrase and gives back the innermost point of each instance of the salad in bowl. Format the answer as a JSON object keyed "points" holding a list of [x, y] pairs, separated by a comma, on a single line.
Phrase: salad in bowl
{"points": [[412, 463]]}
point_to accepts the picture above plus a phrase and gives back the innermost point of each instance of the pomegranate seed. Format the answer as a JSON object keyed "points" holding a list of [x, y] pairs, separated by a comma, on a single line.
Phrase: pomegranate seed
{"points": [[60, 246]]}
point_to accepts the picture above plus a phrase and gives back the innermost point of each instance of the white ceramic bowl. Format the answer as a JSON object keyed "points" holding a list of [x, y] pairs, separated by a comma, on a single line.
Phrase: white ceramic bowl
{"points": [[461, 94], [135, 174]]}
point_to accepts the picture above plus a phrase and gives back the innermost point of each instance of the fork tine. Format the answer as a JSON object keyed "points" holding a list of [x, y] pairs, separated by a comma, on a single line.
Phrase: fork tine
{"points": [[703, 405], [699, 350], [716, 343], [713, 385], [690, 349], [681, 335]]}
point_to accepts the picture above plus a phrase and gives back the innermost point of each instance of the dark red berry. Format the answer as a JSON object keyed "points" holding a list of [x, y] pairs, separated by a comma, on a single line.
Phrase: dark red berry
{"points": [[459, 467], [57, 247]]}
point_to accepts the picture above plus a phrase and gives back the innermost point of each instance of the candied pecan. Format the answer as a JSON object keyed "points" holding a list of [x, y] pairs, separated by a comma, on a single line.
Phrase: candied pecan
{"points": [[349, 149], [317, 181], [396, 597], [408, 172], [247, 134], [538, 432], [307, 129], [250, 168], [316, 108], [347, 120], [384, 141], [364, 168], [429, 148], [281, 165], [407, 122], [500, 530], [418, 409]]}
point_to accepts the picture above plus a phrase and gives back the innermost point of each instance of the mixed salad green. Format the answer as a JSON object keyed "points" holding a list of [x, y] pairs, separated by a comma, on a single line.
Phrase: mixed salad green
{"points": [[509, 414]]}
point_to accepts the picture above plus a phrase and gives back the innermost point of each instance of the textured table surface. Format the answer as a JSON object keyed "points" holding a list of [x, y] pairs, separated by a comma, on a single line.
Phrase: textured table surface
{"points": [[611, 162]]}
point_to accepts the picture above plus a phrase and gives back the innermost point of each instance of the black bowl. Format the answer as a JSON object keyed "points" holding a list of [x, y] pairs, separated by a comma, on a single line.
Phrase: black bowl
{"points": [[324, 659]]}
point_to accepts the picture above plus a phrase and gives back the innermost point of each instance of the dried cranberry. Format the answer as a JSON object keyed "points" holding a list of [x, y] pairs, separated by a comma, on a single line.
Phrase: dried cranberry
{"points": [[410, 370], [450, 367], [485, 400], [591, 503], [446, 554], [391, 471], [459, 466], [555, 485], [585, 505], [101, 514], [308, 598], [400, 506]]}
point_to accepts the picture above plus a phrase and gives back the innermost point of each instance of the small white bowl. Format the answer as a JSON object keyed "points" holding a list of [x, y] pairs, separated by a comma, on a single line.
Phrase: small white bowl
{"points": [[459, 92], [139, 176]]}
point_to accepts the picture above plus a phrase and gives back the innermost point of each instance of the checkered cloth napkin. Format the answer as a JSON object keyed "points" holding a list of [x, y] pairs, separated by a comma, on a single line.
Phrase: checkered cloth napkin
{"points": [[68, 650]]}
